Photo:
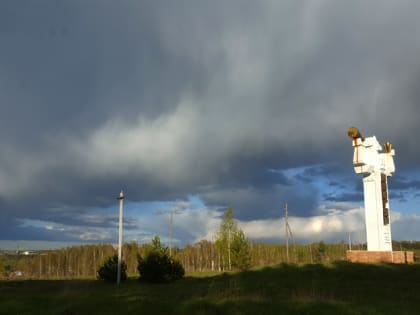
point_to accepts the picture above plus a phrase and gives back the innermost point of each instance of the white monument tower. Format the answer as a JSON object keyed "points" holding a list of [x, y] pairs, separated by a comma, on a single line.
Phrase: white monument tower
{"points": [[375, 167]]}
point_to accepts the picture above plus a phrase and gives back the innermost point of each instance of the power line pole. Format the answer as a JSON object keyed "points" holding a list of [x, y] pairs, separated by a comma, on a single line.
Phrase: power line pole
{"points": [[288, 232], [120, 230], [350, 241], [230, 265], [171, 212], [171, 231], [286, 224]]}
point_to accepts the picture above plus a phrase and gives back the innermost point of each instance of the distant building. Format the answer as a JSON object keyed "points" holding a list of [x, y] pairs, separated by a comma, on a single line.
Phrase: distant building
{"points": [[18, 273]]}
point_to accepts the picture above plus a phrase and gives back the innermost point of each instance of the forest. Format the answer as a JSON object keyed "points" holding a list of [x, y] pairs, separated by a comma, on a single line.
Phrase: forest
{"points": [[203, 256]]}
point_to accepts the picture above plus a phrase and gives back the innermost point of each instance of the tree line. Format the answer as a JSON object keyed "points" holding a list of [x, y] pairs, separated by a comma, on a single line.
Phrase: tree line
{"points": [[230, 251], [204, 256]]}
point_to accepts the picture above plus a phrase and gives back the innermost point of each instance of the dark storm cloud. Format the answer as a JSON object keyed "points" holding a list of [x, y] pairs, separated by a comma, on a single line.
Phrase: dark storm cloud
{"points": [[349, 197], [316, 172], [403, 187], [14, 231], [251, 204], [260, 179], [337, 184], [92, 220], [399, 182], [167, 99], [341, 206], [401, 197]]}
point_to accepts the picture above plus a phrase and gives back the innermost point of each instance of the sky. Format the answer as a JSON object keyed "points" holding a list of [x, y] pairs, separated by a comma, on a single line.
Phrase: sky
{"points": [[195, 106]]}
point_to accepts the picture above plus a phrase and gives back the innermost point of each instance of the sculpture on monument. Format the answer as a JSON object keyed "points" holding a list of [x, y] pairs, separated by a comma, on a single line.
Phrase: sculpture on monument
{"points": [[375, 166]]}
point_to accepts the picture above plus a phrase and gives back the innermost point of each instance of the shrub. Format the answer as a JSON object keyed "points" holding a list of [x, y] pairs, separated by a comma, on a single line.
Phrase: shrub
{"points": [[159, 267], [108, 269]]}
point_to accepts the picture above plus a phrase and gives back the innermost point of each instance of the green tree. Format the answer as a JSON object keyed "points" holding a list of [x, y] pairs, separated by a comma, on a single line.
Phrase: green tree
{"points": [[320, 252], [158, 246], [232, 244], [155, 245], [108, 269], [241, 256], [157, 265], [8, 268]]}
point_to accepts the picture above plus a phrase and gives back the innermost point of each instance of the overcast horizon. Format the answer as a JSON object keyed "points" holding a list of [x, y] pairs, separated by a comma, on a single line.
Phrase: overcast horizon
{"points": [[197, 106]]}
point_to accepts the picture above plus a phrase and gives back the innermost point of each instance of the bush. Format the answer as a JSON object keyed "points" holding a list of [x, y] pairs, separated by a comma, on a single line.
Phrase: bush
{"points": [[159, 267], [108, 269]]}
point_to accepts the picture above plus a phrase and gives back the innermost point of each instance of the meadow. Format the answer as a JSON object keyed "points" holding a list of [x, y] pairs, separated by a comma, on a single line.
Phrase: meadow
{"points": [[336, 288]]}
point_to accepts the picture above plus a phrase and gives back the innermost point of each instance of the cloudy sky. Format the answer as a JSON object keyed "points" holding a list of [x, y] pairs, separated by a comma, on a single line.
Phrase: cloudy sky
{"points": [[195, 106]]}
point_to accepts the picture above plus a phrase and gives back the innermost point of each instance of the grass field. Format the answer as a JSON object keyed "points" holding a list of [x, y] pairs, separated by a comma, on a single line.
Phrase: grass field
{"points": [[340, 288]]}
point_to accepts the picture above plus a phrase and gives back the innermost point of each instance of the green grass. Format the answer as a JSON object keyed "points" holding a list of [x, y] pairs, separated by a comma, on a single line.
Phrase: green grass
{"points": [[340, 288]]}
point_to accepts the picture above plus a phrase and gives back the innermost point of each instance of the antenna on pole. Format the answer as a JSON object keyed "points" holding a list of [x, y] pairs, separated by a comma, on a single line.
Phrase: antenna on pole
{"points": [[171, 231], [230, 265], [171, 212], [288, 231], [349, 240], [286, 225], [121, 198]]}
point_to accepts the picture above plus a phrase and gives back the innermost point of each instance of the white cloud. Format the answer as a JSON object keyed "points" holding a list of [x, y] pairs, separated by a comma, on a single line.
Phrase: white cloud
{"points": [[405, 227], [94, 236], [329, 227]]}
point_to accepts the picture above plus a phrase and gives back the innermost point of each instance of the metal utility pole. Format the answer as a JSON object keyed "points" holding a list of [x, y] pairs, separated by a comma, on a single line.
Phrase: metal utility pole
{"points": [[230, 265], [286, 224], [171, 231], [288, 231], [171, 212], [349, 240], [212, 252], [120, 230]]}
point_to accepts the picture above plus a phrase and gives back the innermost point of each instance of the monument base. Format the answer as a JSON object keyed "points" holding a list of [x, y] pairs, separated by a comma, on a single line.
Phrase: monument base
{"points": [[394, 257]]}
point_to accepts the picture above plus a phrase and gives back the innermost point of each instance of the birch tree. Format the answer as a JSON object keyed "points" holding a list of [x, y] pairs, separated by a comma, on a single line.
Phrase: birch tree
{"points": [[232, 244]]}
